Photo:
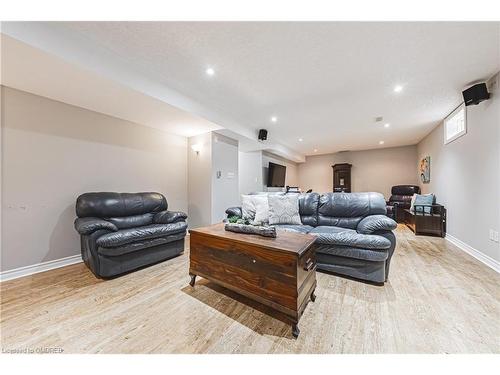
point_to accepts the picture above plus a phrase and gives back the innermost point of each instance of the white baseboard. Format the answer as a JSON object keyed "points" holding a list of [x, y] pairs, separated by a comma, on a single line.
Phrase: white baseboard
{"points": [[40, 267], [483, 258]]}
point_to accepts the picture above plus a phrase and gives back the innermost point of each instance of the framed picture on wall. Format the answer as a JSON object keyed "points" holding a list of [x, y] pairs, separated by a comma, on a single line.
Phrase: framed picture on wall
{"points": [[425, 169]]}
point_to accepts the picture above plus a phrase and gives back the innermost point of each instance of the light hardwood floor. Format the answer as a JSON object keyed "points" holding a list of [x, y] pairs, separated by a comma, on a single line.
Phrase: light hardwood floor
{"points": [[438, 300]]}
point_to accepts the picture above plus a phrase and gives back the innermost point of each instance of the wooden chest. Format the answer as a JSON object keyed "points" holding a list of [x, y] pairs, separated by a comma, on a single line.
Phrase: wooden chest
{"points": [[278, 272]]}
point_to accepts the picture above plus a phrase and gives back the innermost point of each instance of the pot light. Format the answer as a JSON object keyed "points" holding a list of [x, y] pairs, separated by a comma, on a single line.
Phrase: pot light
{"points": [[398, 88], [300, 139], [274, 119], [387, 125], [210, 71], [381, 142]]}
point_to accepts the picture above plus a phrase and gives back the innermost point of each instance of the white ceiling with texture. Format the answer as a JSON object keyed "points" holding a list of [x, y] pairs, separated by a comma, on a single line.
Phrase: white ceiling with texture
{"points": [[326, 82]]}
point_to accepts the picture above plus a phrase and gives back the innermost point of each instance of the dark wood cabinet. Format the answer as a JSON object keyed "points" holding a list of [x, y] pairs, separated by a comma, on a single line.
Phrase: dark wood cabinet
{"points": [[342, 178], [278, 272], [430, 224]]}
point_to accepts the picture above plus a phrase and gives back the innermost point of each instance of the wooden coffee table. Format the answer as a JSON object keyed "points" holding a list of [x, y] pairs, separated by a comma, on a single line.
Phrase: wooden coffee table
{"points": [[278, 272]]}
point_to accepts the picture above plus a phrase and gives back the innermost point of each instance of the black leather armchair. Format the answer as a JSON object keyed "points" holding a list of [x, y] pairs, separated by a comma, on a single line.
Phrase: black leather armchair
{"points": [[400, 200], [121, 232]]}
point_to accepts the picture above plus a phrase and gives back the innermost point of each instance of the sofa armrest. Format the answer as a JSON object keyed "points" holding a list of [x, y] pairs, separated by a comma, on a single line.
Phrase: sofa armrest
{"points": [[234, 211], [88, 225], [374, 223], [168, 217]]}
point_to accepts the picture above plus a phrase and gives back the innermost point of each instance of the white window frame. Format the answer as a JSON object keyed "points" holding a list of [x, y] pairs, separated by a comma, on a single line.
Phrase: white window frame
{"points": [[461, 133]]}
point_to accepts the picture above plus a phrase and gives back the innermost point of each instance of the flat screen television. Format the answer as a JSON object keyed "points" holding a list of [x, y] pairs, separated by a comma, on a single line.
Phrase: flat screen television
{"points": [[276, 175]]}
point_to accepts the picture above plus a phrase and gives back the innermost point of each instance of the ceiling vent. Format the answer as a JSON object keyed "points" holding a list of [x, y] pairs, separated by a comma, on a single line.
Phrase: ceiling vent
{"points": [[378, 119]]}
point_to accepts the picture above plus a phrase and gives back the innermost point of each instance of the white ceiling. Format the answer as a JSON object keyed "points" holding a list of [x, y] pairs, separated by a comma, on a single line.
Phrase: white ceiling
{"points": [[33, 70], [326, 82]]}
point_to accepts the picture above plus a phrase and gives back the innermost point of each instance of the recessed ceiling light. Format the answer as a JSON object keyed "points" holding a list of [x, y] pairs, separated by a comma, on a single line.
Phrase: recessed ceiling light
{"points": [[210, 71], [300, 139], [381, 142], [274, 119], [398, 88], [387, 125], [315, 150]]}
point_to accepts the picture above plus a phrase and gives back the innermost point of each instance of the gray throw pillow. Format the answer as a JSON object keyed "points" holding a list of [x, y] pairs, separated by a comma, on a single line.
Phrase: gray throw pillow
{"points": [[426, 200], [284, 209]]}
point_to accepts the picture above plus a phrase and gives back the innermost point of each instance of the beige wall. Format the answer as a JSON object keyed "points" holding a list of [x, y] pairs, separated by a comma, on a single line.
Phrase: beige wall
{"points": [[465, 175], [52, 152], [372, 170]]}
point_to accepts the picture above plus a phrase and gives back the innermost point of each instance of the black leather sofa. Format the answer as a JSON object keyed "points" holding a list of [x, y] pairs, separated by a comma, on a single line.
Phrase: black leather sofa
{"points": [[121, 232], [400, 200], [354, 235]]}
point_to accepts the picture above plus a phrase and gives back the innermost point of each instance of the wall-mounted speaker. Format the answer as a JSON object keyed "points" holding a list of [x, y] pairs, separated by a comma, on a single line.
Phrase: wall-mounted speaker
{"points": [[476, 94], [262, 134]]}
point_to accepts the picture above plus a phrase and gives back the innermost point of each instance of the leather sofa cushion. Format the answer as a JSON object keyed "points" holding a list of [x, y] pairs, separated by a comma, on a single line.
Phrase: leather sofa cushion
{"points": [[308, 208], [126, 236], [352, 252], [405, 190], [347, 209], [294, 228], [88, 225], [108, 204], [139, 245], [375, 223], [167, 217], [347, 237], [132, 221]]}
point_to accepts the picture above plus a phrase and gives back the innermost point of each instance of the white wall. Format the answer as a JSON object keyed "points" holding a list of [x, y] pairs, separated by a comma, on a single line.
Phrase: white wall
{"points": [[209, 196], [372, 170], [250, 172], [52, 152], [465, 175], [200, 181], [225, 191]]}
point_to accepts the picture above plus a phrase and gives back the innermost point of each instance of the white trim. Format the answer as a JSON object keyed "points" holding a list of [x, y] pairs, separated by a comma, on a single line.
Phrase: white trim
{"points": [[40, 267], [461, 107], [483, 258]]}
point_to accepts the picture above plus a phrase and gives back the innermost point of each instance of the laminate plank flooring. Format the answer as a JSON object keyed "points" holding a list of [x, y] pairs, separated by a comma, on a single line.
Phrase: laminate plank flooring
{"points": [[437, 300]]}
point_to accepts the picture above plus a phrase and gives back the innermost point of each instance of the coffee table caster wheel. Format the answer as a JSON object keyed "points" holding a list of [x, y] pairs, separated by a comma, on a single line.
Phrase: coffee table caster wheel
{"points": [[295, 330], [193, 279]]}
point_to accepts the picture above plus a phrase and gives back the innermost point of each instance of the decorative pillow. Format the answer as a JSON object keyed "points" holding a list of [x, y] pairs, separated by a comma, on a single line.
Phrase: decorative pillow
{"points": [[284, 209], [412, 202], [248, 207], [425, 199], [261, 209]]}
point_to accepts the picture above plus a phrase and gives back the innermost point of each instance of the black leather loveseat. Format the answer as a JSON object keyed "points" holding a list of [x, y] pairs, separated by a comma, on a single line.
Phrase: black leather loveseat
{"points": [[124, 231], [354, 235]]}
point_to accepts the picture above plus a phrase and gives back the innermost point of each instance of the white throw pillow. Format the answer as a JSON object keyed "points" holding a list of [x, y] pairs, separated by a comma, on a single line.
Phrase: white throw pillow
{"points": [[261, 209], [284, 209], [412, 202], [248, 207]]}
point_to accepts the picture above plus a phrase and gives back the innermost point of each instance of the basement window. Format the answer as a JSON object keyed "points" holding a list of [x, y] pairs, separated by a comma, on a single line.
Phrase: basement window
{"points": [[455, 125]]}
